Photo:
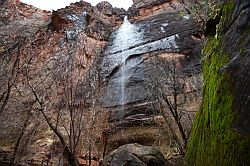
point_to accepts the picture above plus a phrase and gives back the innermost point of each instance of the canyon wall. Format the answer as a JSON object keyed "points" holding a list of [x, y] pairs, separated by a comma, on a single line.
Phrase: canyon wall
{"points": [[61, 69]]}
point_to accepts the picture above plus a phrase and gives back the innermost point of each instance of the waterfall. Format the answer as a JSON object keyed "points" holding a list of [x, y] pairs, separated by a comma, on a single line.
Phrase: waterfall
{"points": [[121, 69], [125, 37]]}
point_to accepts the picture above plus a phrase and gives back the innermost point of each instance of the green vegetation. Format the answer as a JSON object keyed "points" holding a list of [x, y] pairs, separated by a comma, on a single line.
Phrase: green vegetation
{"points": [[181, 13], [212, 134], [214, 142]]}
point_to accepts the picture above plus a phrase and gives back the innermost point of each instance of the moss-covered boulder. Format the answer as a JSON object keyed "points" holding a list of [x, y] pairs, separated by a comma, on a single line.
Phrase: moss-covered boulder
{"points": [[221, 133]]}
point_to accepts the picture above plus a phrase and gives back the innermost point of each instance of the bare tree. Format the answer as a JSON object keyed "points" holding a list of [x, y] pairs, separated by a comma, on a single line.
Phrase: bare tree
{"points": [[57, 87], [11, 64], [166, 84], [53, 122], [9, 68], [65, 96]]}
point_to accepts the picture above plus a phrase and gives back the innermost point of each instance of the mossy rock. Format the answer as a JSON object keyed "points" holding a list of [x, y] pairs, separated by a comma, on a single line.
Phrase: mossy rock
{"points": [[219, 137]]}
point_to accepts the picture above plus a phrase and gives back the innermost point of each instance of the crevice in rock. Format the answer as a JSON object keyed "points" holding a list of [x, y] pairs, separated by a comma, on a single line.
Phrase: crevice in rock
{"points": [[211, 25]]}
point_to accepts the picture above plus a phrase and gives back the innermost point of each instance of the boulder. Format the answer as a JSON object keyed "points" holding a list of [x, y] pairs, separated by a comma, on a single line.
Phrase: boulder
{"points": [[135, 155], [176, 161]]}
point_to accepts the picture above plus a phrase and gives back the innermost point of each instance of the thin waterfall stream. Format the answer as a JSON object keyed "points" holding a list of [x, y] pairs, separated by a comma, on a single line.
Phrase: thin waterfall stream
{"points": [[123, 67], [127, 36]]}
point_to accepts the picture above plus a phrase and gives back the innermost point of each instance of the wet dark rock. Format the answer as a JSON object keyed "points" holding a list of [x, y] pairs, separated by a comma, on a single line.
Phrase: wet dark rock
{"points": [[237, 43], [135, 155], [155, 34], [133, 112]]}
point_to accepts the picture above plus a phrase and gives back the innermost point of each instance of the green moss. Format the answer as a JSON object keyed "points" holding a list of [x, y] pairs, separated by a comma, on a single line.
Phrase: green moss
{"points": [[213, 141], [212, 127], [181, 13], [227, 11]]}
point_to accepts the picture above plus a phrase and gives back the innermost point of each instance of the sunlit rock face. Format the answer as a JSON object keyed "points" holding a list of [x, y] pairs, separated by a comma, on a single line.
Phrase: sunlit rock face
{"points": [[128, 68]]}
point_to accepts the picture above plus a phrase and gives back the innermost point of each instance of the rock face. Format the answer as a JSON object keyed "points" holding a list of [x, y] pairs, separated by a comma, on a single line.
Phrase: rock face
{"points": [[138, 4], [110, 14], [135, 155], [222, 129], [131, 66], [147, 8], [99, 58], [19, 20], [47, 46]]}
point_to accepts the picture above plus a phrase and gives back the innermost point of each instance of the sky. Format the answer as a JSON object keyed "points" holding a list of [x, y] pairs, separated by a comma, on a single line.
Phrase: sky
{"points": [[57, 4]]}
